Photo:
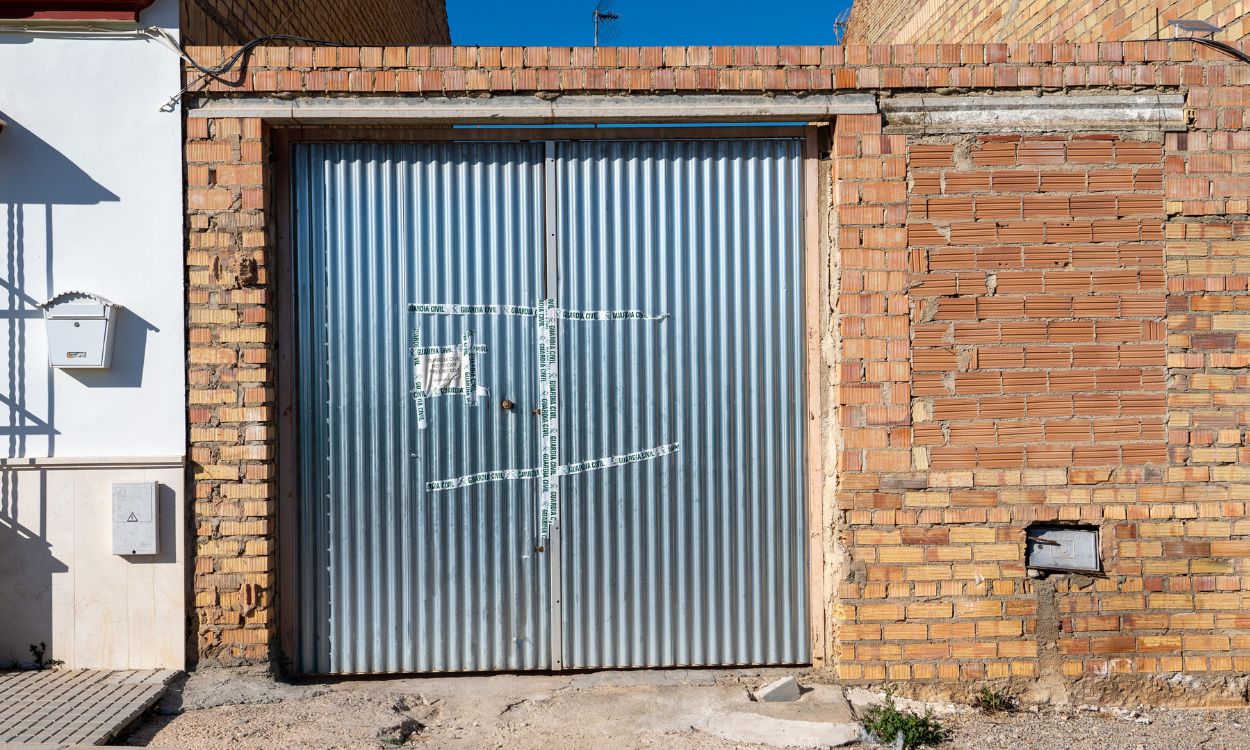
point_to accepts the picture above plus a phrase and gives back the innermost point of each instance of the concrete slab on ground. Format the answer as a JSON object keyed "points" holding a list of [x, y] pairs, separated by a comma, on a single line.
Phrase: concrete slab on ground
{"points": [[248, 709], [817, 702], [751, 728], [678, 709], [65, 707], [820, 717]]}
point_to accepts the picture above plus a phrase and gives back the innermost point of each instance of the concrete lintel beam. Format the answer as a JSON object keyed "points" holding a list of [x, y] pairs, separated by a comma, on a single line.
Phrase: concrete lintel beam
{"points": [[1024, 114], [533, 110]]}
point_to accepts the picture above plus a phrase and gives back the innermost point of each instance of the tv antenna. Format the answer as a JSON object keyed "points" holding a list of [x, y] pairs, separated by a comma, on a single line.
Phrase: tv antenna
{"points": [[839, 26], [603, 13]]}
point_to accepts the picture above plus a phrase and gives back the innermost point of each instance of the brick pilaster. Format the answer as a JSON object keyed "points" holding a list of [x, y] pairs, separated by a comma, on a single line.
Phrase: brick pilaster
{"points": [[230, 396]]}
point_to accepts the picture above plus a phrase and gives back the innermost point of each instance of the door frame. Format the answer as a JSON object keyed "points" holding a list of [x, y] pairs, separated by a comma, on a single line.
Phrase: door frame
{"points": [[815, 193]]}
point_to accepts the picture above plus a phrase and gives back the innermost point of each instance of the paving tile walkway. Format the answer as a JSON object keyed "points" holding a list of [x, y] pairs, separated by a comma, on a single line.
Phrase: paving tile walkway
{"points": [[74, 706]]}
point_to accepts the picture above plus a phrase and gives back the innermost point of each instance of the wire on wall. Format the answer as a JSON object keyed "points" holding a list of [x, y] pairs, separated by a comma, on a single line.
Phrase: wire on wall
{"points": [[1213, 44], [168, 41], [217, 71]]}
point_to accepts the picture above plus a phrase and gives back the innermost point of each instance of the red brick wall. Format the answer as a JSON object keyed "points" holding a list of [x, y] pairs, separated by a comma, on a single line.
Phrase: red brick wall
{"points": [[235, 22], [1028, 328]]}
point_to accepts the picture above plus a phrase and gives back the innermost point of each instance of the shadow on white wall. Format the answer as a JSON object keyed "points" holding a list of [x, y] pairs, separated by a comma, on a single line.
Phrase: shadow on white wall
{"points": [[27, 559], [34, 180]]}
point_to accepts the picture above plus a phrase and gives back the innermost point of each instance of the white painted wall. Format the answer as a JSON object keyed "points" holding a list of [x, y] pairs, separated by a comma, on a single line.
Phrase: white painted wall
{"points": [[91, 199], [61, 585]]}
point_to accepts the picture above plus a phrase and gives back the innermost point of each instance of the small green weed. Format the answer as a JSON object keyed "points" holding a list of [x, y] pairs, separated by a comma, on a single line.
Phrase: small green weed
{"points": [[39, 654], [992, 701], [886, 722]]}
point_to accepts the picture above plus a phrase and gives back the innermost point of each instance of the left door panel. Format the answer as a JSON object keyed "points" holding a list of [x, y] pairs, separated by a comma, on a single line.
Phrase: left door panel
{"points": [[394, 577]]}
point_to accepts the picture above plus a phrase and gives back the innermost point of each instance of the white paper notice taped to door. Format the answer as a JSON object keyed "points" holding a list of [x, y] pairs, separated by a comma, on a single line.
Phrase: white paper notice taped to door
{"points": [[442, 373]]}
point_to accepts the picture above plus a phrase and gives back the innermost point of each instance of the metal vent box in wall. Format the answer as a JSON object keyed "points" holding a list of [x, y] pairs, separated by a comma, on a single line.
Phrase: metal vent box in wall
{"points": [[80, 330], [1063, 548], [135, 518]]}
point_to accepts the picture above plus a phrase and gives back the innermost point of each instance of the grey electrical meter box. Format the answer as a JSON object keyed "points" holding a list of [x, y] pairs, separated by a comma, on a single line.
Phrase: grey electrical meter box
{"points": [[135, 518], [80, 330], [1063, 549]]}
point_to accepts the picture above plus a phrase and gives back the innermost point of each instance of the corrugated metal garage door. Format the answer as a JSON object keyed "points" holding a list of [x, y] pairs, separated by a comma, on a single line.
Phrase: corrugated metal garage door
{"points": [[699, 558], [692, 557], [394, 578]]}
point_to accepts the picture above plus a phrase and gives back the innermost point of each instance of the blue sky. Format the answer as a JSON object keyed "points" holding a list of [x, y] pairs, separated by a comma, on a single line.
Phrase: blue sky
{"points": [[644, 22]]}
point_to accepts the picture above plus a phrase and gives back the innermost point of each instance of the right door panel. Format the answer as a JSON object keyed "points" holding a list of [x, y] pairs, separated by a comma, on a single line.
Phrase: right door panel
{"points": [[699, 557]]}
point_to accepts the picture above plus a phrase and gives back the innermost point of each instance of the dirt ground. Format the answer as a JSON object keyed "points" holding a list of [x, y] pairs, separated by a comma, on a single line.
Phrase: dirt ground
{"points": [[245, 709]]}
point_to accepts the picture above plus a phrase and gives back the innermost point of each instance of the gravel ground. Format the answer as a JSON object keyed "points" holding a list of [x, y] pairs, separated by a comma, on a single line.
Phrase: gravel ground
{"points": [[1077, 729], [246, 710]]}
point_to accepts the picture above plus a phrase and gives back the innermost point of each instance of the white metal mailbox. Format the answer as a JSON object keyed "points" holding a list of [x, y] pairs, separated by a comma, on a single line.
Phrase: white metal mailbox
{"points": [[80, 330], [135, 518]]}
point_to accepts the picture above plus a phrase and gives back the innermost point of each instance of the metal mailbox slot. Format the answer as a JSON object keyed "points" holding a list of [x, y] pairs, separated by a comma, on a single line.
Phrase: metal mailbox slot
{"points": [[135, 518], [80, 330], [1063, 549]]}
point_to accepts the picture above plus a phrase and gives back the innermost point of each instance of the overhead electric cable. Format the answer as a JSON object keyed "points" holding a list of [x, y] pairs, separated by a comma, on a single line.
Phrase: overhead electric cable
{"points": [[1213, 44]]}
